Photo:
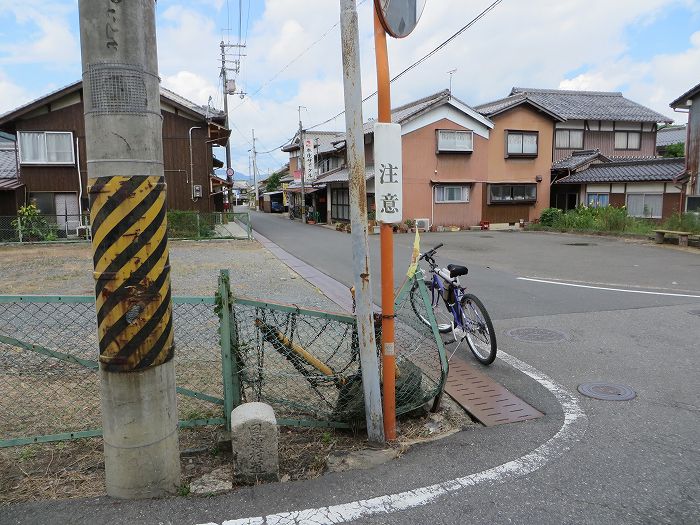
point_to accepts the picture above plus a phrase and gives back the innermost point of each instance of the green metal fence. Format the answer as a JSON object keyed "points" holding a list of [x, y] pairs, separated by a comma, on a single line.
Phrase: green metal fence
{"points": [[181, 225], [303, 362]]}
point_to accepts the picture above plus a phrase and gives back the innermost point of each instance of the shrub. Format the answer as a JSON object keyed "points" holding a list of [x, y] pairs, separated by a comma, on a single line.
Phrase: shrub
{"points": [[190, 224], [31, 226], [685, 222], [550, 216]]}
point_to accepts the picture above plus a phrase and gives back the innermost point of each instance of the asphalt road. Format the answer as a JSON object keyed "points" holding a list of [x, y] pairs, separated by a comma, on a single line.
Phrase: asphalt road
{"points": [[586, 461]]}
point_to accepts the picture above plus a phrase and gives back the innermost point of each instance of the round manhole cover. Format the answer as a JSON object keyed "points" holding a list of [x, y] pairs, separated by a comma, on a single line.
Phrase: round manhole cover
{"points": [[607, 391], [536, 335]]}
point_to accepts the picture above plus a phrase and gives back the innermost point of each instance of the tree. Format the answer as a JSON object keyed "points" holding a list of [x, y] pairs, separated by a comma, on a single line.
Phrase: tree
{"points": [[674, 150], [273, 182]]}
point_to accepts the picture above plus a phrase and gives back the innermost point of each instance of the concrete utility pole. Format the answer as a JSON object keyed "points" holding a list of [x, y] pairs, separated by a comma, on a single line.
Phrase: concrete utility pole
{"points": [[224, 77], [302, 166], [123, 129], [255, 173], [355, 147]]}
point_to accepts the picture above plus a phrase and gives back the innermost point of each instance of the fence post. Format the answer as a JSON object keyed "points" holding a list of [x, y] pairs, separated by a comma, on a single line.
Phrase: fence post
{"points": [[197, 216], [19, 227], [229, 368], [250, 227]]}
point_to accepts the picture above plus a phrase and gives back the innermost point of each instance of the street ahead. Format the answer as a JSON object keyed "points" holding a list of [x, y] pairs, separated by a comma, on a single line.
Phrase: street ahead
{"points": [[624, 313]]}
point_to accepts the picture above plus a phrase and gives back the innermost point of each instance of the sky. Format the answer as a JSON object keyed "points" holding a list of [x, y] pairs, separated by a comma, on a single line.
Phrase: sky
{"points": [[648, 49]]}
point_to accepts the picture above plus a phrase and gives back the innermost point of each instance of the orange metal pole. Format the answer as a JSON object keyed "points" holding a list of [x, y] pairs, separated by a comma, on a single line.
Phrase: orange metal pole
{"points": [[386, 240]]}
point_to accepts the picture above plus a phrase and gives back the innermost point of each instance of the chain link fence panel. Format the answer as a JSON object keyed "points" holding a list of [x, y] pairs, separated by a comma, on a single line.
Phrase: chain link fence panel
{"points": [[303, 362], [49, 383], [306, 363]]}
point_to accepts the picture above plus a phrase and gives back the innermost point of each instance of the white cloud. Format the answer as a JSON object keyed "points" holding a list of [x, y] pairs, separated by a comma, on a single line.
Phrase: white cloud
{"points": [[11, 94], [46, 35], [190, 85], [654, 83]]}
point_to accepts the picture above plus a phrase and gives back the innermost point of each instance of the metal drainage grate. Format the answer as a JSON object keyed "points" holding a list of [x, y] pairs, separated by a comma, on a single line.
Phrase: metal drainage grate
{"points": [[536, 335], [489, 402], [607, 391]]}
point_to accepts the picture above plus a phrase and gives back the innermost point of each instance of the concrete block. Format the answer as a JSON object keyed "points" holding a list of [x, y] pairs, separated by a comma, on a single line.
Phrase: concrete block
{"points": [[255, 443]]}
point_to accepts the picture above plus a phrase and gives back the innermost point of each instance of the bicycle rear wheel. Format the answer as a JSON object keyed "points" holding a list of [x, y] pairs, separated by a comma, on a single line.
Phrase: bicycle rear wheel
{"points": [[442, 315], [479, 331]]}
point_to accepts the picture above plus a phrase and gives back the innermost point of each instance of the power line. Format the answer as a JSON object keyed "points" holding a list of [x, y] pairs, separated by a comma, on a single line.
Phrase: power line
{"points": [[272, 79], [425, 57]]}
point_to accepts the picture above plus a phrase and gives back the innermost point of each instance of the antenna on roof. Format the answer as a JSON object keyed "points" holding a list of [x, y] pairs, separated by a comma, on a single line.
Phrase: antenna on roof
{"points": [[451, 72]]}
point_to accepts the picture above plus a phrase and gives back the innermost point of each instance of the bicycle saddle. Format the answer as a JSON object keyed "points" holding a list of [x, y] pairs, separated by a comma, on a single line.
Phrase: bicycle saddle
{"points": [[456, 270]]}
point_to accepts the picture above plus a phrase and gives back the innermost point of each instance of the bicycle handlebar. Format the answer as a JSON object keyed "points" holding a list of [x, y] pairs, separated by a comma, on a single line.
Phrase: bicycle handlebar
{"points": [[428, 256]]}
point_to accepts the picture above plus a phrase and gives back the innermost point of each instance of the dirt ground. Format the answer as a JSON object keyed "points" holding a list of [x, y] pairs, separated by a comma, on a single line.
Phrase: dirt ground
{"points": [[74, 469]]}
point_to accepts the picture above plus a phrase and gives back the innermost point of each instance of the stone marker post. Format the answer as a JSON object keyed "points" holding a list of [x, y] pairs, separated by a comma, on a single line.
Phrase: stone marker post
{"points": [[255, 443]]}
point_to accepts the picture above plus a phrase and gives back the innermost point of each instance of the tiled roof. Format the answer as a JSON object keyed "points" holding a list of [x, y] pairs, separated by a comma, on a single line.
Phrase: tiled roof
{"points": [[74, 86], [681, 101], [579, 158], [671, 135], [325, 139], [8, 160], [403, 114], [653, 170], [342, 175], [10, 184], [578, 105]]}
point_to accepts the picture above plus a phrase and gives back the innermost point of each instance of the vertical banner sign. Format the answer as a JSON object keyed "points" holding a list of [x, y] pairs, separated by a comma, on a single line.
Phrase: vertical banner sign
{"points": [[309, 165], [388, 192]]}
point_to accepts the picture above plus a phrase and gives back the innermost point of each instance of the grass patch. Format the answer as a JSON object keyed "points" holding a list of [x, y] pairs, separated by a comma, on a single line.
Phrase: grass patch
{"points": [[607, 219]]}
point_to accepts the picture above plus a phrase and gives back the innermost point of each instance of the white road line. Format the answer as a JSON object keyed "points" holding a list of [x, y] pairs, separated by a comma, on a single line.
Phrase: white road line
{"points": [[571, 431], [606, 288]]}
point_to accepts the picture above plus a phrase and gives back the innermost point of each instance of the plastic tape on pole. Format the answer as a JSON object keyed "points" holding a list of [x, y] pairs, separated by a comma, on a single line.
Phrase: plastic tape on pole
{"points": [[132, 272]]}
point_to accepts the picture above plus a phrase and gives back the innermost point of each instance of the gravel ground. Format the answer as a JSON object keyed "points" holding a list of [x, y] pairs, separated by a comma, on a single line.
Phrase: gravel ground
{"points": [[67, 269]]}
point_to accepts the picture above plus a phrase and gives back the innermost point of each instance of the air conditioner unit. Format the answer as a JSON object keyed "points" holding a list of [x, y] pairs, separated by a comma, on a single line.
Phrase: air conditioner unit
{"points": [[423, 224]]}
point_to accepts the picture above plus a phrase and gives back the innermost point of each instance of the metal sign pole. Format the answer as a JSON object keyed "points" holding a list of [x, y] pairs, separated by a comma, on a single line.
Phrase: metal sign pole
{"points": [[386, 240], [355, 147]]}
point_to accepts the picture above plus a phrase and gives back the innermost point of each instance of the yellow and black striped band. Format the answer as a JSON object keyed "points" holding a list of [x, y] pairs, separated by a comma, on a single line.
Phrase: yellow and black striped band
{"points": [[132, 272]]}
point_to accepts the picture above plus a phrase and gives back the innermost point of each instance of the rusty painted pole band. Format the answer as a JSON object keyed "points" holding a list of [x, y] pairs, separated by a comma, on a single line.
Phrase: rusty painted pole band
{"points": [[386, 240]]}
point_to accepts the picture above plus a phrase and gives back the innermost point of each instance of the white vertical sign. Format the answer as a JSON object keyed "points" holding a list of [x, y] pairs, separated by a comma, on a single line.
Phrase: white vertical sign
{"points": [[309, 164], [388, 186]]}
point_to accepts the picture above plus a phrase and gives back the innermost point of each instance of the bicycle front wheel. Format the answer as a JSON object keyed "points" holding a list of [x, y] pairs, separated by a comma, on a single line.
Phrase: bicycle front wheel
{"points": [[442, 316], [479, 331]]}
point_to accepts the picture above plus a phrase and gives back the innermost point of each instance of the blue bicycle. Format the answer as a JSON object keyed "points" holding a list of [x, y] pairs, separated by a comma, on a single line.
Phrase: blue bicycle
{"points": [[457, 312]]}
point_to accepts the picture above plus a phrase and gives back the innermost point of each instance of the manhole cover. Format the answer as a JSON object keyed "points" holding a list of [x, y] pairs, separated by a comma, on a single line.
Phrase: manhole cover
{"points": [[580, 244], [694, 312], [607, 391], [536, 335]]}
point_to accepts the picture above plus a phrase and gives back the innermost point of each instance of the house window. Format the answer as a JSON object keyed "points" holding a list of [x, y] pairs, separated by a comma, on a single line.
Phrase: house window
{"points": [[628, 140], [340, 204], [328, 164], [451, 194], [569, 139], [46, 147], [451, 140], [647, 205], [597, 200], [512, 193], [521, 143]]}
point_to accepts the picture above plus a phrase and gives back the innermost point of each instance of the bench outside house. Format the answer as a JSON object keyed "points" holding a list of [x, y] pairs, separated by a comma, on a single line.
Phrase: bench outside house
{"points": [[682, 236]]}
